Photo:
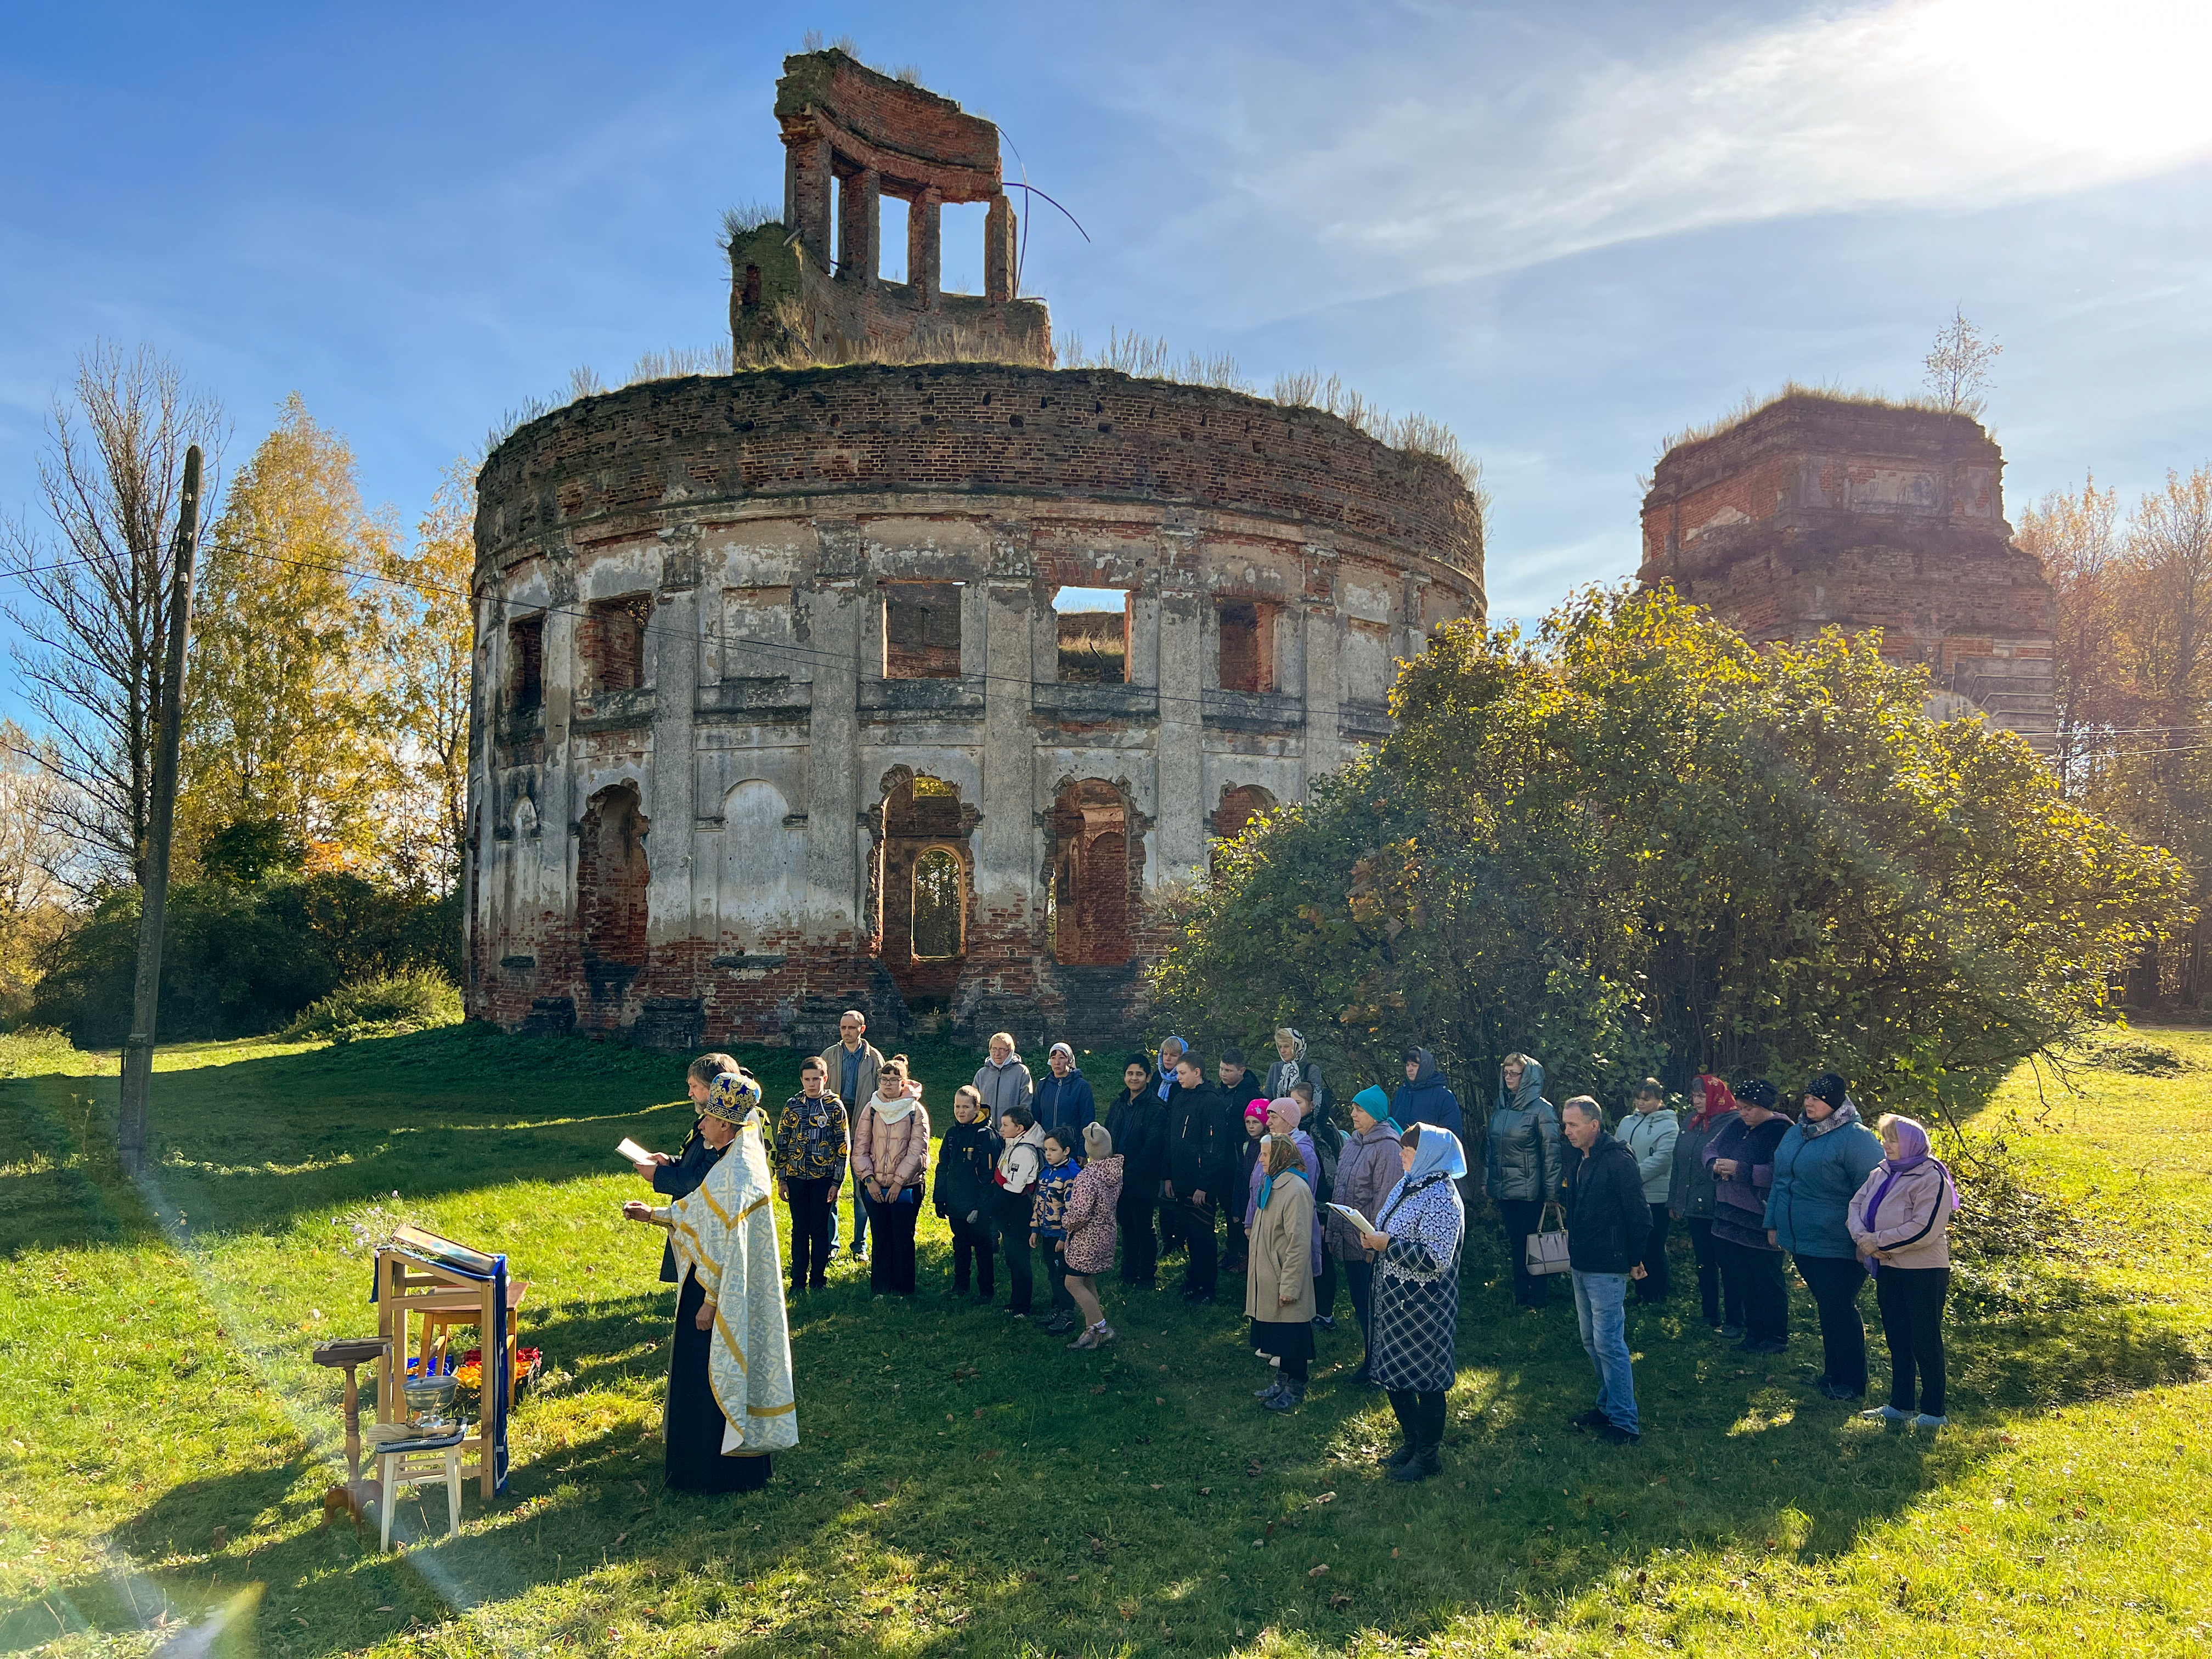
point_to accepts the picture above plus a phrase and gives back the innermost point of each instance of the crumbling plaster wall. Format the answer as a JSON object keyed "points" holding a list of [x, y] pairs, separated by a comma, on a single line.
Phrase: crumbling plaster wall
{"points": [[766, 515]]}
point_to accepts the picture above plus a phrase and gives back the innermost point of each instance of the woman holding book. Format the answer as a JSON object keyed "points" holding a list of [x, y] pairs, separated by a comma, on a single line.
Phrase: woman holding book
{"points": [[730, 1400]]}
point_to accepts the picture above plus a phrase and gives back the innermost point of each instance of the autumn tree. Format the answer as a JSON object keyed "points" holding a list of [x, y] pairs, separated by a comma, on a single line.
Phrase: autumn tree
{"points": [[1637, 842], [92, 631], [286, 720], [34, 852], [430, 636]]}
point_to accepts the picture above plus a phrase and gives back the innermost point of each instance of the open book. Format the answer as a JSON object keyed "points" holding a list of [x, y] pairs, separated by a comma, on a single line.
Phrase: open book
{"points": [[1355, 1218], [630, 1152]]}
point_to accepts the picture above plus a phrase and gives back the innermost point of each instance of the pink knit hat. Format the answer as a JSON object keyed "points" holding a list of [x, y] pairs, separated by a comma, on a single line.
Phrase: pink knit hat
{"points": [[1258, 1108], [1292, 1107]]}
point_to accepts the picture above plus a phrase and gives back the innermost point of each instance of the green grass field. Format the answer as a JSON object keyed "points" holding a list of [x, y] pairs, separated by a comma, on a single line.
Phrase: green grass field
{"points": [[963, 1487]]}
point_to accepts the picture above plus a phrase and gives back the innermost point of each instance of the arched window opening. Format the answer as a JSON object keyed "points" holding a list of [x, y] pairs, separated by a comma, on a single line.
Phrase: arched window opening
{"points": [[1089, 906], [1239, 806], [612, 877], [939, 909]]}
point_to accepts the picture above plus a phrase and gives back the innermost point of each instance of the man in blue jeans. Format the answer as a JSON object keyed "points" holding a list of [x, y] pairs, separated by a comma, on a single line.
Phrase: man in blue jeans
{"points": [[1608, 1223]]}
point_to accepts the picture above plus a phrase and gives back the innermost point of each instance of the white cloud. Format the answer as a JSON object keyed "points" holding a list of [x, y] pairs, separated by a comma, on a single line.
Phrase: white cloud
{"points": [[1468, 163]]}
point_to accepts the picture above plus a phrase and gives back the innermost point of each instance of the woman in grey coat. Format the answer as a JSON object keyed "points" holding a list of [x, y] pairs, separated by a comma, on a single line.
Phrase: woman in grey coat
{"points": [[1522, 1166]]}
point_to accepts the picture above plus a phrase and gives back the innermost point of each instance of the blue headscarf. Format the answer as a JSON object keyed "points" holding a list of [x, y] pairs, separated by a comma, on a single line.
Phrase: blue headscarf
{"points": [[1267, 1181], [1167, 1073], [1438, 1153], [1372, 1101]]}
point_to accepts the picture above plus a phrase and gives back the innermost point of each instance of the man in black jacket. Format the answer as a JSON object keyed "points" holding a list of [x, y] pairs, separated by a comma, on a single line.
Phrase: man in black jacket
{"points": [[683, 1173], [1606, 1223], [1201, 1168]]}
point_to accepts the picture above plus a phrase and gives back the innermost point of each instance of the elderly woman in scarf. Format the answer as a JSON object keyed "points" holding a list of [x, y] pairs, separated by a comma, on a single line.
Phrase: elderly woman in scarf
{"points": [[730, 1400], [1293, 1069], [1366, 1170], [1418, 1238], [1900, 1223], [1820, 1162]]}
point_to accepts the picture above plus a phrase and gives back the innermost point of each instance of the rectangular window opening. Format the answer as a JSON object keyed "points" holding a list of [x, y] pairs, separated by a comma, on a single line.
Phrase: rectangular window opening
{"points": [[525, 658], [922, 630], [1093, 625], [1247, 645], [612, 640], [891, 239]]}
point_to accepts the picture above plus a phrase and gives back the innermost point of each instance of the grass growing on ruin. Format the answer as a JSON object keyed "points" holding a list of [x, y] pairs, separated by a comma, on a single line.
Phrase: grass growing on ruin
{"points": [[966, 1487]]}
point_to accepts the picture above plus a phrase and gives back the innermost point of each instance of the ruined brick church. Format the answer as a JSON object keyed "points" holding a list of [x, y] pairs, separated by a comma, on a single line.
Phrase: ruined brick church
{"points": [[776, 712]]}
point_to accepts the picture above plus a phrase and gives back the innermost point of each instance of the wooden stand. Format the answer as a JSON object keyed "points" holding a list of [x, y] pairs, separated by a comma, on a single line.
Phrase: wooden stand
{"points": [[407, 1286], [345, 1354]]}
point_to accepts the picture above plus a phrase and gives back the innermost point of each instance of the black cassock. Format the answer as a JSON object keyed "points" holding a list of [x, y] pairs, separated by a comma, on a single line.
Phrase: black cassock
{"points": [[695, 1422]]}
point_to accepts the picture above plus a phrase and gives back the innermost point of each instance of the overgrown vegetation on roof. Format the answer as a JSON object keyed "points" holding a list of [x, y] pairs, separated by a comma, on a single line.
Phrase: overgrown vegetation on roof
{"points": [[1753, 404]]}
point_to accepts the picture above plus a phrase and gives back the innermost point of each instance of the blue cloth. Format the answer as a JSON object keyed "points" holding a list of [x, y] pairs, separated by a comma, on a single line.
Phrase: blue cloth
{"points": [[1816, 1178], [1601, 1305], [849, 1060], [1167, 1072], [1372, 1101], [1438, 1153], [1428, 1099]]}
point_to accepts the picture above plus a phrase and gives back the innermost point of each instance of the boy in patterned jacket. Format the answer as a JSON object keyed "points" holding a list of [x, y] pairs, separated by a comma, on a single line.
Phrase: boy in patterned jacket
{"points": [[812, 1140], [1048, 1222]]}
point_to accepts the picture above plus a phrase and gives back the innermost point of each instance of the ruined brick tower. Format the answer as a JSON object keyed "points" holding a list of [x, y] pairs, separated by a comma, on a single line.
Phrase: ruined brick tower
{"points": [[852, 136], [1817, 512], [775, 710]]}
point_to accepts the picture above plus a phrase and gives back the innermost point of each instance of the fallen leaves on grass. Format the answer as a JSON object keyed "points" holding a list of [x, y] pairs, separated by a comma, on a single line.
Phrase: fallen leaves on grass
{"points": [[1315, 1570], [1340, 1601]]}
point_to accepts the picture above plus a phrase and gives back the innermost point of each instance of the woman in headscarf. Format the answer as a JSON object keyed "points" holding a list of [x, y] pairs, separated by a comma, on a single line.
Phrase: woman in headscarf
{"points": [[1365, 1173], [1740, 1155], [1690, 1197], [1900, 1220], [1524, 1163], [1279, 1293], [730, 1400], [1821, 1161], [1418, 1238], [1283, 1119], [1138, 1121], [1294, 1068], [890, 1153]]}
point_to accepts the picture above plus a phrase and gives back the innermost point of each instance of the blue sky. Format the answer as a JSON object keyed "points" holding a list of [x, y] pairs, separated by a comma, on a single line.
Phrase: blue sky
{"points": [[1566, 229]]}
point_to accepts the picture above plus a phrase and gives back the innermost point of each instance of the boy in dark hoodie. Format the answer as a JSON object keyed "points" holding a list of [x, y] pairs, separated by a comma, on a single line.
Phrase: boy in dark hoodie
{"points": [[966, 1194], [1201, 1171]]}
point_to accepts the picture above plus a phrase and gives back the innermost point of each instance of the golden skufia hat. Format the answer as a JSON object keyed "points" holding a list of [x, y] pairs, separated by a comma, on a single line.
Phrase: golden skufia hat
{"points": [[732, 1096]]}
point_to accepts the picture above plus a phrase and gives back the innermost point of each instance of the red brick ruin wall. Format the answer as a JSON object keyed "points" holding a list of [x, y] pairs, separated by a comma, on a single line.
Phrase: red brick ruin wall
{"points": [[606, 464]]}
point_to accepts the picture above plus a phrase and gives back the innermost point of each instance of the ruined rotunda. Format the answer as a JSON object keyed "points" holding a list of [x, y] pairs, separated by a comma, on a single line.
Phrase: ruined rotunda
{"points": [[774, 711]]}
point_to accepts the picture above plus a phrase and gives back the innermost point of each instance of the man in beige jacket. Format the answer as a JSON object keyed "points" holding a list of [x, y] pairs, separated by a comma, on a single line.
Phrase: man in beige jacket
{"points": [[854, 1062]]}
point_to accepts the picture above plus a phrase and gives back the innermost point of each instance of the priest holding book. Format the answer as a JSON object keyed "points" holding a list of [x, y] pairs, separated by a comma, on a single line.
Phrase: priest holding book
{"points": [[679, 1177], [730, 1399]]}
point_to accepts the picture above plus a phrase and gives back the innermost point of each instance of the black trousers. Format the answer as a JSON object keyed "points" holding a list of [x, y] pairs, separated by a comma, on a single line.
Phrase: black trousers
{"points": [[891, 1264], [1140, 1246], [1754, 1277], [1325, 1287], [1911, 1303], [1521, 1217], [1835, 1282], [1421, 1415], [972, 1244], [1359, 1279], [810, 1211], [1021, 1284], [1707, 1250], [1191, 1225], [1653, 1286], [1055, 1272]]}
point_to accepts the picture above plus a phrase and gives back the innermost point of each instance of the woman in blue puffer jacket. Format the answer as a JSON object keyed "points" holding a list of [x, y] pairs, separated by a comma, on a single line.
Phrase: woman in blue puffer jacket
{"points": [[1820, 1162]]}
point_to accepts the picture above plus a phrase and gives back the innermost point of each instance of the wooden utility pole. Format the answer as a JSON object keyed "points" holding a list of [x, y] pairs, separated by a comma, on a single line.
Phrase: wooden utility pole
{"points": [[139, 1049]]}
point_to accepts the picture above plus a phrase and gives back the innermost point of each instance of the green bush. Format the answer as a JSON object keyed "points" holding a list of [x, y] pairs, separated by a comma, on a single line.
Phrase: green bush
{"points": [[417, 1001], [35, 1051], [239, 960]]}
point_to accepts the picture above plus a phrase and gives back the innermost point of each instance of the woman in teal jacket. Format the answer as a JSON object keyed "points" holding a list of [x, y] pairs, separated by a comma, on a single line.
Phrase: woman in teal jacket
{"points": [[1821, 1162]]}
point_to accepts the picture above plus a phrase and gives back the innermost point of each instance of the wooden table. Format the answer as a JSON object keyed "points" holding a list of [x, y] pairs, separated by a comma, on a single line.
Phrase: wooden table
{"points": [[406, 1286]]}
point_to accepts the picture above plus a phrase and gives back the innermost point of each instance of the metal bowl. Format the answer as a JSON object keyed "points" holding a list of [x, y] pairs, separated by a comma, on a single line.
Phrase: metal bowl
{"points": [[428, 1396]]}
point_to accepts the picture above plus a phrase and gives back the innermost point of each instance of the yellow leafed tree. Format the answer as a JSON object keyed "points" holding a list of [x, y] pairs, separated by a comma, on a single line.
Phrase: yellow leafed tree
{"points": [[289, 720], [429, 636]]}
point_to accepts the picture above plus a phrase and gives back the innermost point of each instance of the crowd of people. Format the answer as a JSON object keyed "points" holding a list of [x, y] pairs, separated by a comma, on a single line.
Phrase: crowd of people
{"points": [[1030, 1172]]}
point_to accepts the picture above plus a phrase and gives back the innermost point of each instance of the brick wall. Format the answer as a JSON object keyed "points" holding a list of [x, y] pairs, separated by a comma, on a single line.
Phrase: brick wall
{"points": [[604, 464]]}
